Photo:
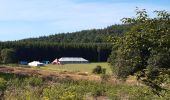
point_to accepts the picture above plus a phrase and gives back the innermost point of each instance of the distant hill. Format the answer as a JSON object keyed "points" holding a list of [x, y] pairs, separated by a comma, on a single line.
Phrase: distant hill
{"points": [[84, 36], [89, 44]]}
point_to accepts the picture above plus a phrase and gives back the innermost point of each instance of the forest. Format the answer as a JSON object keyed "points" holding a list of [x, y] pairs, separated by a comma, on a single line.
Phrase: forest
{"points": [[29, 51], [84, 36], [94, 45]]}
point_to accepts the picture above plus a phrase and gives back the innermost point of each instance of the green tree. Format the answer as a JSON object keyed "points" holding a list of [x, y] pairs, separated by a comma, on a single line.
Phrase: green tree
{"points": [[0, 57], [8, 56], [144, 51]]}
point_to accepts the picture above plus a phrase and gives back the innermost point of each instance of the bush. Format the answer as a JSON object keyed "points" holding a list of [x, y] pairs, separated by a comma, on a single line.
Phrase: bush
{"points": [[99, 70], [105, 77], [34, 88], [144, 51], [8, 56], [22, 93], [62, 92], [34, 81], [2, 84]]}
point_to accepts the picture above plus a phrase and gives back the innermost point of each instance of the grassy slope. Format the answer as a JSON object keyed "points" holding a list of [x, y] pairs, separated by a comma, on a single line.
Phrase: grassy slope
{"points": [[78, 67]]}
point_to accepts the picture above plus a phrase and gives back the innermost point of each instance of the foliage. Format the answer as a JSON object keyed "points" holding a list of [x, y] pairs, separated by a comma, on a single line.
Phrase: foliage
{"points": [[99, 70], [34, 81], [30, 51], [144, 50], [84, 44], [60, 92], [8, 55], [84, 36], [105, 77], [2, 84], [18, 87]]}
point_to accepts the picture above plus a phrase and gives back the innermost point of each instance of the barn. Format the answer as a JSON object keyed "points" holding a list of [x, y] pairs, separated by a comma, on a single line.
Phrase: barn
{"points": [[72, 60]]}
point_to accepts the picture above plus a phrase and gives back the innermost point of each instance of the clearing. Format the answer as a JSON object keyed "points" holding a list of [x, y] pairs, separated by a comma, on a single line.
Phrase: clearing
{"points": [[78, 67]]}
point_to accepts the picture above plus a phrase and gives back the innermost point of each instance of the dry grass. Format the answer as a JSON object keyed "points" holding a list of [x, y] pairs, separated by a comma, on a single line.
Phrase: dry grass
{"points": [[63, 74], [47, 73]]}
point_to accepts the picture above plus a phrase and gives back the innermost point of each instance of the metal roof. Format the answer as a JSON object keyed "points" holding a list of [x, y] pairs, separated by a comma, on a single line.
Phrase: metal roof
{"points": [[72, 59]]}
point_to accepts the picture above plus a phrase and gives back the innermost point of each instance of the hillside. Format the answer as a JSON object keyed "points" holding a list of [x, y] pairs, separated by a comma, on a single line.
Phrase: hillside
{"points": [[84, 36], [94, 44]]}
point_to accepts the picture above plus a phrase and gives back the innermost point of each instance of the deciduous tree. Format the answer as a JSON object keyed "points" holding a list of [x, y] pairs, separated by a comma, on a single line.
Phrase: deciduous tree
{"points": [[144, 51], [8, 56]]}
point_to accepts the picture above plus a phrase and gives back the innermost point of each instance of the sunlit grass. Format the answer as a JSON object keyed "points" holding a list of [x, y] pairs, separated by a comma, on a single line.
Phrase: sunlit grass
{"points": [[77, 67]]}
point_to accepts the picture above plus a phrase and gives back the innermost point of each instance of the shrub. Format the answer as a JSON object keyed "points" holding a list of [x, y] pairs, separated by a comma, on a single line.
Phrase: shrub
{"points": [[144, 51], [103, 70], [8, 56], [34, 81], [98, 89], [23, 93], [99, 70], [62, 92], [2, 84], [105, 77], [34, 88]]}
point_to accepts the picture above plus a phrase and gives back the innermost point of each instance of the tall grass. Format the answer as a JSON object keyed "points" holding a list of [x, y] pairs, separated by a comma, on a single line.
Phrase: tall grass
{"points": [[20, 87]]}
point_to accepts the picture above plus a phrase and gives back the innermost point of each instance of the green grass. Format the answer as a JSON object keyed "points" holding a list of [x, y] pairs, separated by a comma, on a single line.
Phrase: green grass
{"points": [[77, 67], [21, 87]]}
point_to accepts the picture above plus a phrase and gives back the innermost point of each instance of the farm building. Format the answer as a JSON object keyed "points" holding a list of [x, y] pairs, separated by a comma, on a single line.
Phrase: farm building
{"points": [[72, 60], [35, 63]]}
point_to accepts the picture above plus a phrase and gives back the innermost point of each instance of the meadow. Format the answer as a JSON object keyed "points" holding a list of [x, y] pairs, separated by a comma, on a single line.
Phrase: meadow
{"points": [[22, 87], [38, 87], [85, 68]]}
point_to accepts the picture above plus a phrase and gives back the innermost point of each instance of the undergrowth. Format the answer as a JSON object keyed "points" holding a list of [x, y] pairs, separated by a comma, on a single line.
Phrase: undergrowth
{"points": [[23, 87]]}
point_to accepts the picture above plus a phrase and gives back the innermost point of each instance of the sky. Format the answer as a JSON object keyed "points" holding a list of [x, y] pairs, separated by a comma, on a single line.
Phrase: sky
{"points": [[21, 19]]}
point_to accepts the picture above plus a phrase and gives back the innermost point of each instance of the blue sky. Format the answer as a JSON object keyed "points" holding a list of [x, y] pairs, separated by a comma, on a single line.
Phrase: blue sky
{"points": [[33, 18]]}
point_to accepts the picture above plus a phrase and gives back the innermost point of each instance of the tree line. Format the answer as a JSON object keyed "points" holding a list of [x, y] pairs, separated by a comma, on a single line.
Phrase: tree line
{"points": [[29, 51], [84, 36], [93, 45]]}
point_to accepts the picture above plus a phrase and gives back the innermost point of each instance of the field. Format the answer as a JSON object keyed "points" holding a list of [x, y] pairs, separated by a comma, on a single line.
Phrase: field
{"points": [[77, 67], [84, 68], [67, 82], [23, 87], [73, 71]]}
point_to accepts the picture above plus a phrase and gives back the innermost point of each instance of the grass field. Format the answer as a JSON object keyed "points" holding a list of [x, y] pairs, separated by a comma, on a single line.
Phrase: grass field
{"points": [[77, 67], [22, 87], [32, 84]]}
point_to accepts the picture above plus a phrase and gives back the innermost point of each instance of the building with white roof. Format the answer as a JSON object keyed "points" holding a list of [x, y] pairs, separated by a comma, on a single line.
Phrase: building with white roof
{"points": [[35, 63], [72, 60]]}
